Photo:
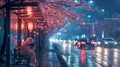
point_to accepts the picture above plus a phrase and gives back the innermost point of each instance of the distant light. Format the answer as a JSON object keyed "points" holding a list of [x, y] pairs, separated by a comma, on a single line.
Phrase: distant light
{"points": [[64, 30], [102, 10], [0, 28], [64, 41], [22, 40], [69, 41], [83, 36], [58, 33], [77, 37], [103, 34], [91, 2], [56, 40], [51, 40], [76, 1], [94, 35], [84, 23], [89, 16]]}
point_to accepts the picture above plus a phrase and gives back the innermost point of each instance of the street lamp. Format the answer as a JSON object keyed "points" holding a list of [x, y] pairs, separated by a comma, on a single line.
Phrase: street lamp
{"points": [[102, 10], [76, 1], [91, 2], [89, 16]]}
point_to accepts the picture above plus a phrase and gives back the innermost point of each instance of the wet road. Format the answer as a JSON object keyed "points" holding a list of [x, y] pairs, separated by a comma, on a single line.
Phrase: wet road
{"points": [[98, 57]]}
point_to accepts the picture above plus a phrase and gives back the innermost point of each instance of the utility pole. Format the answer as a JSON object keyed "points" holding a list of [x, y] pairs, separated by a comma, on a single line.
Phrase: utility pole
{"points": [[93, 28]]}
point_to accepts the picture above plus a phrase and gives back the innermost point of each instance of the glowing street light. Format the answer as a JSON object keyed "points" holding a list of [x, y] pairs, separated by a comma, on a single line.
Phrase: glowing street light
{"points": [[102, 10], [91, 2], [89, 16], [76, 1]]}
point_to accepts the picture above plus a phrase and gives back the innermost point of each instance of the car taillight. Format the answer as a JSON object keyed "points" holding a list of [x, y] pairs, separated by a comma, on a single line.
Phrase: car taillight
{"points": [[78, 43], [83, 42], [93, 43]]}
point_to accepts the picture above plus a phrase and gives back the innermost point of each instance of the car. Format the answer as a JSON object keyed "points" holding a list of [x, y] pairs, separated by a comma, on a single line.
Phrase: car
{"points": [[93, 42], [80, 43], [109, 41], [85, 43]]}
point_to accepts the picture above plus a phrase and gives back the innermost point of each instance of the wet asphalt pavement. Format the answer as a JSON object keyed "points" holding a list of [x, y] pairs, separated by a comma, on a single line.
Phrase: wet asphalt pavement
{"points": [[98, 57], [62, 54]]}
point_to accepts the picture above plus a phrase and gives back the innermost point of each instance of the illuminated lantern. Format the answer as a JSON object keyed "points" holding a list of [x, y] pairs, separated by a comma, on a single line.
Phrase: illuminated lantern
{"points": [[30, 26], [11, 26], [22, 26], [29, 10], [16, 27]]}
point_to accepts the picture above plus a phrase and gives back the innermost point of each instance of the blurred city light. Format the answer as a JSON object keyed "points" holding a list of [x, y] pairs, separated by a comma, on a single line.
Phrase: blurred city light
{"points": [[89, 16], [102, 10], [91, 2], [30, 26], [58, 33], [76, 1], [94, 35], [83, 36], [29, 10], [0, 28]]}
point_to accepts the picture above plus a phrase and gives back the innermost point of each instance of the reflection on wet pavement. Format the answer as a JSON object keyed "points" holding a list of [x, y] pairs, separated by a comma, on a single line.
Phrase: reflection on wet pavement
{"points": [[99, 57], [49, 57]]}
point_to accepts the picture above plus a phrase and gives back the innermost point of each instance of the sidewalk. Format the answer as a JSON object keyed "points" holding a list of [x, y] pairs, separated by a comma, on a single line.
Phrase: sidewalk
{"points": [[49, 57]]}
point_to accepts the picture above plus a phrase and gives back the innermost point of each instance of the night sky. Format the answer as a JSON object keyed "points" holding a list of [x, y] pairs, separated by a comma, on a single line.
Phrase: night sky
{"points": [[109, 5]]}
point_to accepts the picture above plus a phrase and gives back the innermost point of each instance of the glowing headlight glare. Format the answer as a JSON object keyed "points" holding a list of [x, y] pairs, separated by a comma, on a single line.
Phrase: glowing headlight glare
{"points": [[69, 45], [115, 42], [56, 40], [50, 40], [98, 42], [60, 40], [69, 41], [64, 41], [106, 42]]}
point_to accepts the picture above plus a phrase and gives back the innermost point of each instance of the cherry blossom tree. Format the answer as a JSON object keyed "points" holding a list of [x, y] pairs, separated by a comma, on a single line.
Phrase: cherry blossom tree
{"points": [[55, 12]]}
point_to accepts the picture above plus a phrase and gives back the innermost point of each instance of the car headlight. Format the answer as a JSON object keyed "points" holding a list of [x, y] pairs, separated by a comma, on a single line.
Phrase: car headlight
{"points": [[98, 42], [115, 42], [106, 42]]}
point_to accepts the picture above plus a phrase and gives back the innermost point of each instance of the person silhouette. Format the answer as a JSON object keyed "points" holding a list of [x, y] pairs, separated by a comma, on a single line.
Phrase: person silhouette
{"points": [[26, 48]]}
